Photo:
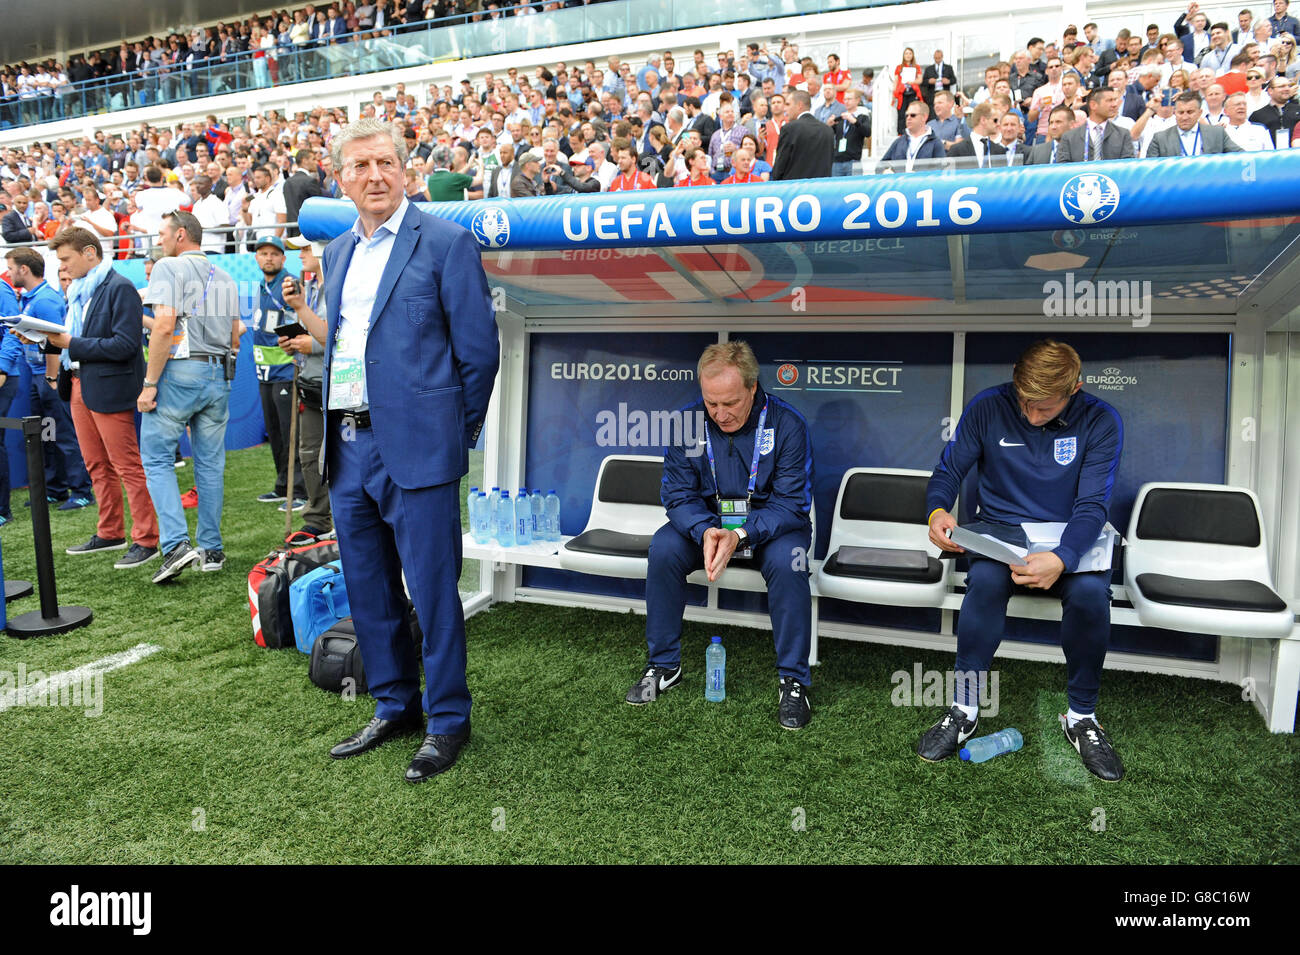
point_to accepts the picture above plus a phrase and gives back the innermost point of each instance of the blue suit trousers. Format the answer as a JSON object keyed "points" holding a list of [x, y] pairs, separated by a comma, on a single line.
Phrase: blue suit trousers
{"points": [[384, 530]]}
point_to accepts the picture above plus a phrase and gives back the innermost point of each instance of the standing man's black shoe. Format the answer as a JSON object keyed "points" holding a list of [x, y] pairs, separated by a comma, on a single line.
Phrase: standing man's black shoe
{"points": [[437, 754], [376, 733]]}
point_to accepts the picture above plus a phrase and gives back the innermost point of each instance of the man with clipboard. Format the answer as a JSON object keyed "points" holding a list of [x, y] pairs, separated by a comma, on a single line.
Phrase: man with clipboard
{"points": [[746, 492], [1046, 452]]}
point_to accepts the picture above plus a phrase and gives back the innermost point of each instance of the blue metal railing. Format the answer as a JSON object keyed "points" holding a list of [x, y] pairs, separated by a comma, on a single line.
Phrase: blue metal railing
{"points": [[425, 42]]}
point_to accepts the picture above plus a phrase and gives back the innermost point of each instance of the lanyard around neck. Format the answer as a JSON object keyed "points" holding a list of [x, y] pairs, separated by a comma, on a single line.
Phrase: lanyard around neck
{"points": [[753, 467]]}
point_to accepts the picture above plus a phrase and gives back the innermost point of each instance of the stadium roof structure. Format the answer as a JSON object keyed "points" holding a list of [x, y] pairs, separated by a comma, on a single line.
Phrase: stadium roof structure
{"points": [[36, 29], [1207, 239]]}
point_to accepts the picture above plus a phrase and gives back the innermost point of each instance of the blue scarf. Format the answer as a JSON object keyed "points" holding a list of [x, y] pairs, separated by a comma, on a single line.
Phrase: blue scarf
{"points": [[79, 295]]}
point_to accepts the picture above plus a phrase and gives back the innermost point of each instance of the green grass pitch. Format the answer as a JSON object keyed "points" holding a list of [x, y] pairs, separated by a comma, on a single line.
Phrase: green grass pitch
{"points": [[214, 750]]}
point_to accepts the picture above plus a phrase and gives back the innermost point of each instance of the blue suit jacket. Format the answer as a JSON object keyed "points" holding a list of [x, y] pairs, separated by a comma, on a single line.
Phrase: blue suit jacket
{"points": [[432, 351], [108, 348]]}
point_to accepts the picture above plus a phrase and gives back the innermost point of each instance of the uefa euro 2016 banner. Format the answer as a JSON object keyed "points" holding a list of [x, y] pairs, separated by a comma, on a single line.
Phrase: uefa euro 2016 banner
{"points": [[1035, 198]]}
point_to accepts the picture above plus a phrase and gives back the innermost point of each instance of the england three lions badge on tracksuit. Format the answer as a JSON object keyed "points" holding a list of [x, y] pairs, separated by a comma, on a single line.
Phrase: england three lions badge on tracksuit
{"points": [[1065, 450], [766, 441]]}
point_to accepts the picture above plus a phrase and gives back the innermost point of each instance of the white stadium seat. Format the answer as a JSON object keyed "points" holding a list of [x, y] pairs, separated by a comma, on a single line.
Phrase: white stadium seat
{"points": [[626, 510], [1195, 560], [883, 509]]}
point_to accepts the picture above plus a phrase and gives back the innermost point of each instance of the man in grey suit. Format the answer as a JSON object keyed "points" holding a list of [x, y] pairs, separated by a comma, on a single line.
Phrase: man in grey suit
{"points": [[1045, 153], [1098, 137], [1189, 136]]}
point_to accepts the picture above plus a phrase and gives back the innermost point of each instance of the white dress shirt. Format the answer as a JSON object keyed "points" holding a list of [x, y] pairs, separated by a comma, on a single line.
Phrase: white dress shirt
{"points": [[360, 286], [1251, 137]]}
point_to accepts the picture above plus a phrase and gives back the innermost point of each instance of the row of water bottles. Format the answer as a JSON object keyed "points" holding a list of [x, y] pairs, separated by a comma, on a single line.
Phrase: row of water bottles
{"points": [[514, 522]]}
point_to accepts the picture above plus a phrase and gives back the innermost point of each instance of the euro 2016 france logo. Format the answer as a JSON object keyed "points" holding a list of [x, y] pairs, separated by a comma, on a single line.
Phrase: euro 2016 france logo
{"points": [[491, 227], [1065, 450], [1089, 199]]}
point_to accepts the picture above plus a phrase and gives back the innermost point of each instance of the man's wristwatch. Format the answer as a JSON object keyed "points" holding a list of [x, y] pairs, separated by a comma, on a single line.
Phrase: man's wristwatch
{"points": [[52, 379], [150, 384], [742, 534]]}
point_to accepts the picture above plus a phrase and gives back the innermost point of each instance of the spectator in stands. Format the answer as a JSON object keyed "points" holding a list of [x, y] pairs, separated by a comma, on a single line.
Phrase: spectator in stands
{"points": [[97, 220], [503, 172], [725, 140], [778, 524], [1097, 138], [1035, 406], [1190, 137], [919, 142], [629, 177], [1145, 79], [443, 184], [695, 161], [1012, 140], [1245, 20], [907, 86], [211, 213], [948, 125], [602, 168], [1281, 21], [16, 226], [1044, 98], [302, 185], [1024, 81], [196, 331], [938, 77], [156, 200], [525, 181], [1156, 118], [265, 209], [827, 106], [1282, 113], [101, 354], [805, 148], [1059, 122], [982, 144], [1251, 137]]}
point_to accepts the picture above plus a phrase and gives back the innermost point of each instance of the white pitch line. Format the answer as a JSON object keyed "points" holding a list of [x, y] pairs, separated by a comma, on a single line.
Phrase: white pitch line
{"points": [[52, 684]]}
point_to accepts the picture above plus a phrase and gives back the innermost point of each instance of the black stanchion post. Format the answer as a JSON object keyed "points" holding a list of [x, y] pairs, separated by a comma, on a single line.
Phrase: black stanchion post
{"points": [[51, 618]]}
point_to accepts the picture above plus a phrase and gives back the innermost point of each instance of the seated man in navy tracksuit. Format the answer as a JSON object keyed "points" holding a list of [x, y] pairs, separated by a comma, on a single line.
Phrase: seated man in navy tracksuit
{"points": [[757, 459], [1046, 452]]}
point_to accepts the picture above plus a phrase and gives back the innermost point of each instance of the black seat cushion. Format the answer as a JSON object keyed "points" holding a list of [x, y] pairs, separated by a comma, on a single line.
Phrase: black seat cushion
{"points": [[896, 498], [611, 543], [1198, 516], [931, 573], [631, 482], [1247, 595]]}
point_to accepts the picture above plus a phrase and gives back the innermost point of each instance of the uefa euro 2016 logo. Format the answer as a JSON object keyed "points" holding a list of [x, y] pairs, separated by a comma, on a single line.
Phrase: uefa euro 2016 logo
{"points": [[1089, 199], [491, 227]]}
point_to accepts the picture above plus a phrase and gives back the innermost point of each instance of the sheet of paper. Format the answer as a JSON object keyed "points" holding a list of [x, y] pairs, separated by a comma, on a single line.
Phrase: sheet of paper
{"points": [[907, 74], [1047, 535], [987, 546], [32, 328]]}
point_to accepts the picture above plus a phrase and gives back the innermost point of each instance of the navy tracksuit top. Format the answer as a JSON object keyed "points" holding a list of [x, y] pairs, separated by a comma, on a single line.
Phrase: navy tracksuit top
{"points": [[782, 499], [1063, 471]]}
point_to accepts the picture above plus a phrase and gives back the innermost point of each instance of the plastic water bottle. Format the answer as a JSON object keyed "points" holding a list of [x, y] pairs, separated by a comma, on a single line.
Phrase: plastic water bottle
{"points": [[478, 517], [984, 748], [539, 515], [505, 521], [523, 518], [552, 511], [715, 672], [469, 503], [494, 501], [471, 507]]}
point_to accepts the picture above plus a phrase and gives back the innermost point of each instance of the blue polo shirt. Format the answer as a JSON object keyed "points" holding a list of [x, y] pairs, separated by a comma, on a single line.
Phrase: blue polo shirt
{"points": [[46, 303], [11, 349], [1063, 471]]}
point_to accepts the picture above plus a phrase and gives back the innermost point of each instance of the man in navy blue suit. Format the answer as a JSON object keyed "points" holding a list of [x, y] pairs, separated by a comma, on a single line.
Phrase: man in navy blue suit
{"points": [[410, 359]]}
